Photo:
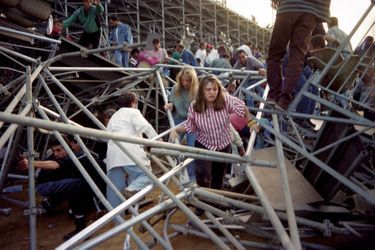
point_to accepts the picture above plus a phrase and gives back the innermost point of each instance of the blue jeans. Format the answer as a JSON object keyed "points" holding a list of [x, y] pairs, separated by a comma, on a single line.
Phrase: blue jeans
{"points": [[136, 180], [122, 58], [75, 190], [306, 105], [190, 140]]}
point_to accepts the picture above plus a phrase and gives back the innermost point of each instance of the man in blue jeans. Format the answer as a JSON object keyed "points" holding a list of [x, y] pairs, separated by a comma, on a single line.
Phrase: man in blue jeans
{"points": [[60, 180], [120, 34], [295, 21]]}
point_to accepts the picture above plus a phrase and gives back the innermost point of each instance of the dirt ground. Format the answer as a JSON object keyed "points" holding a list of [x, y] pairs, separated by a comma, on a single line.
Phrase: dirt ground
{"points": [[50, 229]]}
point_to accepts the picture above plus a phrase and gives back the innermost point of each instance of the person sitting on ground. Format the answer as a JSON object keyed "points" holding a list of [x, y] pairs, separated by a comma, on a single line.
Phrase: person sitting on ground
{"points": [[208, 117], [87, 15], [60, 180], [128, 121]]}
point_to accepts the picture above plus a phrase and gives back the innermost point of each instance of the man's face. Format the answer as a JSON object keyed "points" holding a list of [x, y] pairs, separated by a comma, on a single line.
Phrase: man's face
{"points": [[112, 23], [86, 4], [179, 48], [242, 58], [59, 152], [156, 45]]}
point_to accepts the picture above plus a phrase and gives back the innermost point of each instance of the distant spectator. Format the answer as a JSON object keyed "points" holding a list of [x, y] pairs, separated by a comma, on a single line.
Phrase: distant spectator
{"points": [[133, 61], [120, 34], [212, 54], [154, 56], [87, 15], [365, 47], [201, 53], [56, 29], [336, 36], [186, 55], [247, 48]]}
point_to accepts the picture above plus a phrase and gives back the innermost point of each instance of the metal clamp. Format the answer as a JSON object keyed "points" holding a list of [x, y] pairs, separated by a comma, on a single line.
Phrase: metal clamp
{"points": [[327, 231], [33, 210], [33, 154], [83, 53]]}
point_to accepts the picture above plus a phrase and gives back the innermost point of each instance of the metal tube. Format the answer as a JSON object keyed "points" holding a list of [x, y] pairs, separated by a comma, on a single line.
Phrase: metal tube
{"points": [[105, 69], [145, 169], [85, 52], [368, 196], [131, 222], [286, 190], [19, 55], [70, 129], [225, 231], [261, 163], [14, 101], [258, 209], [90, 182], [98, 169], [31, 169], [117, 210], [231, 194], [43, 38], [10, 130], [240, 71], [254, 230], [251, 244]]}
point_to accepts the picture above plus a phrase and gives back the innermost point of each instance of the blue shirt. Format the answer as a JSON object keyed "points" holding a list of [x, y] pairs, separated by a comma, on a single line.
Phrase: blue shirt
{"points": [[121, 34], [188, 58]]}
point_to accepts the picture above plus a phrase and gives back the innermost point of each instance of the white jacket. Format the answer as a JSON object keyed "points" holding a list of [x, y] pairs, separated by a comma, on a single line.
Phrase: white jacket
{"points": [[128, 122]]}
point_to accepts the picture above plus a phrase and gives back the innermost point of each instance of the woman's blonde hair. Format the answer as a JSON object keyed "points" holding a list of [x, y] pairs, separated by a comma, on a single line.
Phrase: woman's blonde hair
{"points": [[200, 103], [187, 72]]}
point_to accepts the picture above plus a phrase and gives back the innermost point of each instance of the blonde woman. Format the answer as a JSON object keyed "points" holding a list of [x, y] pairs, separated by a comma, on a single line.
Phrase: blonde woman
{"points": [[182, 94]]}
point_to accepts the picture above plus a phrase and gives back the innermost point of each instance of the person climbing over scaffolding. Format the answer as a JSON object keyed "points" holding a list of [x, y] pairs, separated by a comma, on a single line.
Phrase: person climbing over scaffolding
{"points": [[87, 15]]}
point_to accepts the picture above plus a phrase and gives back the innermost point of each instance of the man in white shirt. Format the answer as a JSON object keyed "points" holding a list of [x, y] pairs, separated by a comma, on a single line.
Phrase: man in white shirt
{"points": [[129, 121], [201, 53]]}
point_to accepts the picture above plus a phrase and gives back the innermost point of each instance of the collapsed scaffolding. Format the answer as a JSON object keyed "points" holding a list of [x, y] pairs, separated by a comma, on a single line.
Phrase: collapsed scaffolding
{"points": [[40, 92]]}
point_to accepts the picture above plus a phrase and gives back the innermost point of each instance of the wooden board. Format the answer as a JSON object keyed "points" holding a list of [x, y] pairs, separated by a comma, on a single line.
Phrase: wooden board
{"points": [[270, 180]]}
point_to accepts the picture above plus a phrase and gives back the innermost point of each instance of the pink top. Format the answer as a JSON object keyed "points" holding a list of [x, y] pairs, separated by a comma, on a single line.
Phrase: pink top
{"points": [[238, 122], [212, 127]]}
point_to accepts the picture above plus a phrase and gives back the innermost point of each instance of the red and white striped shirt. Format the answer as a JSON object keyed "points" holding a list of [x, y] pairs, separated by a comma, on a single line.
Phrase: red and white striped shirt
{"points": [[212, 127]]}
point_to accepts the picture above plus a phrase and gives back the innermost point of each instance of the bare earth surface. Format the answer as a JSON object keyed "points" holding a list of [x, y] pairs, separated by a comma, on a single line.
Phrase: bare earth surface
{"points": [[50, 229]]}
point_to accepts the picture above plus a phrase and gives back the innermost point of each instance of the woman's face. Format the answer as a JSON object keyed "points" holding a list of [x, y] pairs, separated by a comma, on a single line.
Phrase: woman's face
{"points": [[210, 92], [186, 82]]}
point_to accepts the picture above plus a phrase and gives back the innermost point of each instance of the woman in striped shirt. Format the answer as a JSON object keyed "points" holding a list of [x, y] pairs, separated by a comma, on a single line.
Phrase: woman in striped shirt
{"points": [[208, 118]]}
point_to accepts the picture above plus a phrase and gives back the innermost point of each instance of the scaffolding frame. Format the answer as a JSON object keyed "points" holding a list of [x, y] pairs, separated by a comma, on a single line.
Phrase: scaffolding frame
{"points": [[26, 102]]}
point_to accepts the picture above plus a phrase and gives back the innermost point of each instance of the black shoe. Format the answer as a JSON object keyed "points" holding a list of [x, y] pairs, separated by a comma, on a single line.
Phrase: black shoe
{"points": [[80, 224], [71, 234]]}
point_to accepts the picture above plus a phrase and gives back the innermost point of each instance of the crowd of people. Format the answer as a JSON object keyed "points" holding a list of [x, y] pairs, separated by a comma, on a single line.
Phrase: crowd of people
{"points": [[214, 117]]}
